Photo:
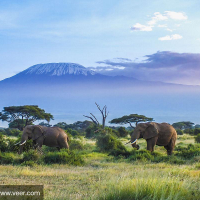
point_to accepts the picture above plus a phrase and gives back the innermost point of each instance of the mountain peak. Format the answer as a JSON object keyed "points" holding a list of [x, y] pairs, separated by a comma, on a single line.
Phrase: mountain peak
{"points": [[58, 69]]}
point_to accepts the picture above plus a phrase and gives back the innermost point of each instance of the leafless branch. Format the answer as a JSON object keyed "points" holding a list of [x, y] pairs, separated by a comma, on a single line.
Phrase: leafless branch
{"points": [[95, 118], [96, 122]]}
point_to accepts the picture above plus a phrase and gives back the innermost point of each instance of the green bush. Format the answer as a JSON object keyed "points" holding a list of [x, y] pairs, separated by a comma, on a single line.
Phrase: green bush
{"points": [[189, 131], [74, 144], [122, 132], [140, 155], [145, 155], [197, 138], [29, 163], [108, 142], [72, 132], [63, 157], [3, 143], [196, 131], [7, 158], [11, 132], [91, 131], [179, 132], [188, 152], [31, 155]]}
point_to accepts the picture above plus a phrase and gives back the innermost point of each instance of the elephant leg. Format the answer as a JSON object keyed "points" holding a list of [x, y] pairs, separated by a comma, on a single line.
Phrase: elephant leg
{"points": [[38, 146], [63, 144], [151, 143], [170, 146]]}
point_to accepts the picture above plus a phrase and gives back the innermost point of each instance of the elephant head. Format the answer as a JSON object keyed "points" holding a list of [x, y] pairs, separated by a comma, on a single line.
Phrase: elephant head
{"points": [[143, 130], [30, 132]]}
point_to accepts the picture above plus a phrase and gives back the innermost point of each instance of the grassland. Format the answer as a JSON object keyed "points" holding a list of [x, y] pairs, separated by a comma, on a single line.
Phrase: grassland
{"points": [[104, 177]]}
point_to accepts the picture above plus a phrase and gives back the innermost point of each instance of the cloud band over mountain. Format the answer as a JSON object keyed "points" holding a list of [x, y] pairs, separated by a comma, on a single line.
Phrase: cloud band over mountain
{"points": [[166, 66]]}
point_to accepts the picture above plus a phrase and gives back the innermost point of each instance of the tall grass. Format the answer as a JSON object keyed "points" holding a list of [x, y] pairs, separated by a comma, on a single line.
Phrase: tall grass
{"points": [[149, 189]]}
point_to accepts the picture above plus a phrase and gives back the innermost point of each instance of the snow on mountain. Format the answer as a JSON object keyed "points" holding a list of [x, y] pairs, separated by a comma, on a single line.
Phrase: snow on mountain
{"points": [[58, 69]]}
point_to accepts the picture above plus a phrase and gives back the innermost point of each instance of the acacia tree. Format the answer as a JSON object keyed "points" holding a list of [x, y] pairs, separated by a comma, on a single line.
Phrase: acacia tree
{"points": [[104, 116], [132, 118], [24, 115], [183, 125]]}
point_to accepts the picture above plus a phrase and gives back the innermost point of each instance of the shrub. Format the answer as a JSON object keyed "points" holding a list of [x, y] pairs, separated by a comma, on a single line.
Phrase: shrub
{"points": [[63, 157], [140, 155], [196, 131], [189, 131], [169, 159], [91, 131], [189, 151], [3, 143], [179, 132], [28, 163], [108, 142], [7, 158], [197, 138], [122, 132], [74, 144], [72, 132], [27, 146], [31, 155]]}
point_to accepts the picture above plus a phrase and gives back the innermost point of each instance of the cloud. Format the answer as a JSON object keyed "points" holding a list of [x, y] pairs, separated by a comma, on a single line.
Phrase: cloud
{"points": [[176, 15], [170, 30], [165, 66], [140, 27], [159, 17], [162, 25], [172, 37]]}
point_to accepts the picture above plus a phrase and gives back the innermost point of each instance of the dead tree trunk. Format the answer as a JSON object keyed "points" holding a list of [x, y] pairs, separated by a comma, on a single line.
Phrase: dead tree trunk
{"points": [[104, 115]]}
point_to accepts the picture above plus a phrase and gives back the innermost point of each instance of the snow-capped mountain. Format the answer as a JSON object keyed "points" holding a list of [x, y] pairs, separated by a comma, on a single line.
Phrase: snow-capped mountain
{"points": [[58, 69], [73, 78]]}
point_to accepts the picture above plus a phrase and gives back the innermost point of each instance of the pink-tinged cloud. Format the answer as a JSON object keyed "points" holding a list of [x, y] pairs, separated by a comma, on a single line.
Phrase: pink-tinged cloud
{"points": [[140, 27], [165, 66]]}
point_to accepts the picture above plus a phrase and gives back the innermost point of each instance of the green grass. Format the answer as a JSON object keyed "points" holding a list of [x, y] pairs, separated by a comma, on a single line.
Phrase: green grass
{"points": [[104, 177]]}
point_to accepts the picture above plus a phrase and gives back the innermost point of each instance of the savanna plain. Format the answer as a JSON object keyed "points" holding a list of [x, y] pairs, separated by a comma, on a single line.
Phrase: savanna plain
{"points": [[108, 175]]}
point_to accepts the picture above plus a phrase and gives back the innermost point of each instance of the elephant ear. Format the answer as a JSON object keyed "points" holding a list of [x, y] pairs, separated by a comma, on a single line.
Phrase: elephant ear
{"points": [[37, 132], [150, 132]]}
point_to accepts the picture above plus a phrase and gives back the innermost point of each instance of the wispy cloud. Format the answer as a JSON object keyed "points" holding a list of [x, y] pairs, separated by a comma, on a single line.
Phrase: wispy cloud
{"points": [[156, 18], [172, 67], [159, 17], [171, 37], [140, 27]]}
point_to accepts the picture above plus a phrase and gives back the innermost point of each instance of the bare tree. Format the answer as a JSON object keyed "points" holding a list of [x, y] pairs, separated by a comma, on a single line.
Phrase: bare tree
{"points": [[104, 113]]}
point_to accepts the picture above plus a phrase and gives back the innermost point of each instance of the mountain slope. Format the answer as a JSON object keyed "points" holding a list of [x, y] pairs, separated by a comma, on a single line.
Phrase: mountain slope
{"points": [[58, 69], [71, 77]]}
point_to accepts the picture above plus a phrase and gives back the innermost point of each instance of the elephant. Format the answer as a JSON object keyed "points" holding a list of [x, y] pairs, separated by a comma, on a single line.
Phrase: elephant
{"points": [[161, 134], [41, 135]]}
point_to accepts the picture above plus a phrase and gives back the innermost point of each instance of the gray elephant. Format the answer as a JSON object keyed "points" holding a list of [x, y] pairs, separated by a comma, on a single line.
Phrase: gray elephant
{"points": [[162, 134], [41, 135]]}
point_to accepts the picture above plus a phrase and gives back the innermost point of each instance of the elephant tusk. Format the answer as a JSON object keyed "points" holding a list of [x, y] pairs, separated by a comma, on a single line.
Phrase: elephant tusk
{"points": [[128, 142], [133, 141], [23, 143], [17, 143]]}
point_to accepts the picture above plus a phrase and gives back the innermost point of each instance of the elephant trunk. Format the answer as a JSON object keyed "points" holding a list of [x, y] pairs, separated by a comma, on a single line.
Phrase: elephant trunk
{"points": [[23, 141], [135, 135]]}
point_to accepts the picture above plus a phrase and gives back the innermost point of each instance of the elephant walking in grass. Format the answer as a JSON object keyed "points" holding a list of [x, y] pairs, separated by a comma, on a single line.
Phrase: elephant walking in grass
{"points": [[161, 134], [41, 135]]}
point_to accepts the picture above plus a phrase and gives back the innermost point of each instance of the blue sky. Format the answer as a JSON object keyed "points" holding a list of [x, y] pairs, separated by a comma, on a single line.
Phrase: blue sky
{"points": [[94, 33]]}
